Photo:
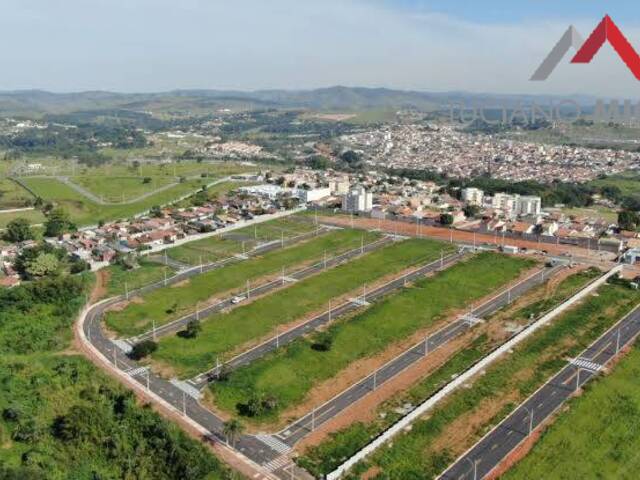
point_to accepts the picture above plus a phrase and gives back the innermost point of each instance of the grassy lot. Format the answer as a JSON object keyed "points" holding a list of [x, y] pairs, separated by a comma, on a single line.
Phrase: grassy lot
{"points": [[289, 374], [342, 444], [34, 216], [118, 189], [435, 441], [64, 419], [85, 212], [224, 333], [148, 272], [598, 437], [166, 304], [13, 195], [628, 183], [215, 248]]}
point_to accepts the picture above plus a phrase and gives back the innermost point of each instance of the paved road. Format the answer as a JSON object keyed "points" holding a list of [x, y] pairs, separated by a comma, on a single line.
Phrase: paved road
{"points": [[303, 426], [482, 458], [270, 451], [201, 380], [227, 303]]}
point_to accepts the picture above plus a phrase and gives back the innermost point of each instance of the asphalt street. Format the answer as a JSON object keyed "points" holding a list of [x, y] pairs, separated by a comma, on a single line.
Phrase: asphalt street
{"points": [[482, 458], [306, 424], [269, 450]]}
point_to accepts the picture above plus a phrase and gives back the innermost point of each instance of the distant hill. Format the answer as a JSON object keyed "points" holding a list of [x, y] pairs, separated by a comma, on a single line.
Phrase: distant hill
{"points": [[352, 99]]}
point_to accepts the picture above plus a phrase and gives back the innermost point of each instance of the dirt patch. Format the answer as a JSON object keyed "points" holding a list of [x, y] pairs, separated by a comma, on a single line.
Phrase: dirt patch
{"points": [[181, 284], [118, 307], [160, 368], [100, 289]]}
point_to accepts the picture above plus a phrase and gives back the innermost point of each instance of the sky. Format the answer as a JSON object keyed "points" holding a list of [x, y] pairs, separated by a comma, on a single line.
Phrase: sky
{"points": [[428, 45]]}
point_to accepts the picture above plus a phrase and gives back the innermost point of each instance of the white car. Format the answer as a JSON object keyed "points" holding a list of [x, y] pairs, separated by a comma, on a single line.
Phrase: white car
{"points": [[236, 300]]}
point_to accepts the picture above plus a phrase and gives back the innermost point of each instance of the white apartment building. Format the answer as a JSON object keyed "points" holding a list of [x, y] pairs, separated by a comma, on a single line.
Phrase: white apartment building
{"points": [[313, 194], [472, 196], [357, 200], [339, 187], [529, 205]]}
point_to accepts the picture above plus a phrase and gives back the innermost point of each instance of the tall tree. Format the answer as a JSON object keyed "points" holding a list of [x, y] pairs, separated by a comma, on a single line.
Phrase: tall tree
{"points": [[18, 230], [58, 222]]}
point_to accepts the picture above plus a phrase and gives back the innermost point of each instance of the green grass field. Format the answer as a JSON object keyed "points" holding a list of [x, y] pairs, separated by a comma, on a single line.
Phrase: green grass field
{"points": [[13, 195], [424, 452], [148, 272], [223, 333], [628, 182], [223, 246], [340, 445], [85, 212], [597, 438], [35, 217], [118, 189], [289, 374], [182, 299]]}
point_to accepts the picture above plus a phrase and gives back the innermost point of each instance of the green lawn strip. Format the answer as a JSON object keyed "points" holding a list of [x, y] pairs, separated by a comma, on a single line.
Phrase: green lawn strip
{"points": [[237, 241], [147, 273], [288, 375], [224, 333], [411, 455], [169, 303], [13, 195], [341, 445], [85, 212], [598, 437]]}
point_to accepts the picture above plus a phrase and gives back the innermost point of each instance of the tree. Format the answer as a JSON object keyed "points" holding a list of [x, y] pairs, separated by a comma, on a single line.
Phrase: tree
{"points": [[628, 220], [58, 222], [44, 264], [471, 210], [146, 180], [232, 429], [18, 230], [143, 349], [446, 219], [192, 330], [323, 342]]}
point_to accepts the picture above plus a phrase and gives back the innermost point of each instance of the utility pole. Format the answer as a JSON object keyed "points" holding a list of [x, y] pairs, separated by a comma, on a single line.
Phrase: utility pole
{"points": [[441, 258], [198, 311], [126, 290], [184, 403], [426, 345], [325, 259], [248, 291], [277, 337], [282, 239], [115, 356], [154, 329], [201, 266], [618, 341], [313, 419], [165, 277], [148, 382], [283, 275], [329, 310], [375, 379], [362, 244]]}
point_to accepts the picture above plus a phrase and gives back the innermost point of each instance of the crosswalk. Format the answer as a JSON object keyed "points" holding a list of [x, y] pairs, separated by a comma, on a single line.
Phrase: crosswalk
{"points": [[277, 463], [587, 364], [274, 443], [137, 371]]}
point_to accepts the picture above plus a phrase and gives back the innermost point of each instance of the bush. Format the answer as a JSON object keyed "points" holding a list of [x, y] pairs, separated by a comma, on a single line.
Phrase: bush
{"points": [[143, 349]]}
